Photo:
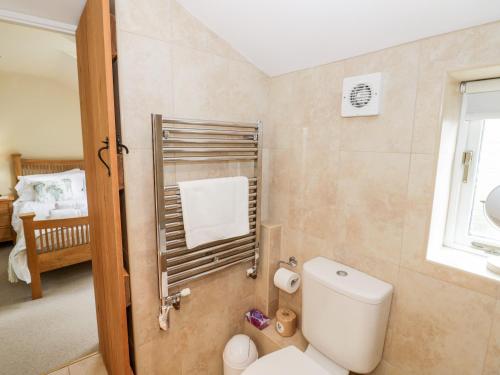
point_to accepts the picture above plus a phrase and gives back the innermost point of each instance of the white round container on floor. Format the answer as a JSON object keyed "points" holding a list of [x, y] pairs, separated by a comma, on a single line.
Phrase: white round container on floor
{"points": [[239, 353]]}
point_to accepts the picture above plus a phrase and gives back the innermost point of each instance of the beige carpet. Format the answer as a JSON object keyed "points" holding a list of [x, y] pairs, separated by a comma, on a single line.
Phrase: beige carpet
{"points": [[41, 335]]}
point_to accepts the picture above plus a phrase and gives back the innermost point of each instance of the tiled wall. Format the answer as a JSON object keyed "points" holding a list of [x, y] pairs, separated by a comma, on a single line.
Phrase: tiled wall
{"points": [[355, 190], [170, 64], [359, 190]]}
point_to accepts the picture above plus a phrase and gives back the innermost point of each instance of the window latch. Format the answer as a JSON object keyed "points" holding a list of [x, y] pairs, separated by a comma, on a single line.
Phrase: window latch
{"points": [[466, 162]]}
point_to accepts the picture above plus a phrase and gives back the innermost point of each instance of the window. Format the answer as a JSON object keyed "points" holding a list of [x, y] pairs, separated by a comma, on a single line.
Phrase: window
{"points": [[476, 170]]}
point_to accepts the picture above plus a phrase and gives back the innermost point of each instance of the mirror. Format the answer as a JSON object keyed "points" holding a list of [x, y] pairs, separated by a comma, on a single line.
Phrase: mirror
{"points": [[492, 206]]}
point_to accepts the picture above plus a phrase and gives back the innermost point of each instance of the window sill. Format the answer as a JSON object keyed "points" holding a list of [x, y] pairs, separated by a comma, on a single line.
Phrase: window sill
{"points": [[462, 260]]}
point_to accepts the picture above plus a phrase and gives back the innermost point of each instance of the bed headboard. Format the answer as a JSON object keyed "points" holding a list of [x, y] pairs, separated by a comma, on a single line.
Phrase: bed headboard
{"points": [[25, 167]]}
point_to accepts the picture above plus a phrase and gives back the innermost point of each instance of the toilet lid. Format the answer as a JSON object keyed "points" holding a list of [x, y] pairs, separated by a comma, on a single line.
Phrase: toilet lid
{"points": [[287, 361]]}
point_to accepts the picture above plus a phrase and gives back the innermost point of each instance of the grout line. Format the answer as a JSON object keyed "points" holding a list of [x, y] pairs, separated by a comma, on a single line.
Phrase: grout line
{"points": [[417, 89], [185, 45], [411, 159], [451, 283]]}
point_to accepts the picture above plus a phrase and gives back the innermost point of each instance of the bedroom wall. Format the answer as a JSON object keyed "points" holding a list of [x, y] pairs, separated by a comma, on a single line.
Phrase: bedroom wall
{"points": [[39, 117], [170, 64], [360, 190]]}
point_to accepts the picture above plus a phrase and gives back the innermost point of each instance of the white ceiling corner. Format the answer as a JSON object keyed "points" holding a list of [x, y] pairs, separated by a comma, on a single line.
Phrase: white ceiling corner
{"points": [[64, 11], [280, 36], [42, 53]]}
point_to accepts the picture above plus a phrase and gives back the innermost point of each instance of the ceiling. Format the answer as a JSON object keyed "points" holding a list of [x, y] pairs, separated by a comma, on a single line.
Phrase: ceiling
{"points": [[280, 36], [65, 11], [32, 51]]}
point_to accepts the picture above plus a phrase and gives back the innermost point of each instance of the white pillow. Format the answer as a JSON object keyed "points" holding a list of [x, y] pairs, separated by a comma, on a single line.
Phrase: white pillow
{"points": [[53, 190], [24, 187], [69, 204], [78, 184], [64, 213]]}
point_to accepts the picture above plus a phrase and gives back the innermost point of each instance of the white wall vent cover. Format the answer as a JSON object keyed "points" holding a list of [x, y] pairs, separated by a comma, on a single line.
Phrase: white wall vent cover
{"points": [[361, 95]]}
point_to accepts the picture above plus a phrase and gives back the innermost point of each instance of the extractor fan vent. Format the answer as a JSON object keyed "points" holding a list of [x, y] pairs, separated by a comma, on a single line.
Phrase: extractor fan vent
{"points": [[361, 95]]}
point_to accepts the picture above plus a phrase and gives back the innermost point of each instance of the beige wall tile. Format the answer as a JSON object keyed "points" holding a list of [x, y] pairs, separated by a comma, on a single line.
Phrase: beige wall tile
{"points": [[145, 82], [265, 184], [375, 234], [270, 247], [455, 48], [189, 32], [439, 328], [375, 180], [376, 267], [141, 241], [200, 329], [426, 125], [144, 288], [139, 199], [487, 47], [416, 230], [418, 211], [492, 363], [391, 131], [161, 356], [385, 368], [308, 99], [151, 18], [210, 87], [317, 170], [372, 189]]}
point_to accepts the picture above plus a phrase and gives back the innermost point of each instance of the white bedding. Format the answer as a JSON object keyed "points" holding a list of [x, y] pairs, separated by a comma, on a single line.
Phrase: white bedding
{"points": [[18, 263]]}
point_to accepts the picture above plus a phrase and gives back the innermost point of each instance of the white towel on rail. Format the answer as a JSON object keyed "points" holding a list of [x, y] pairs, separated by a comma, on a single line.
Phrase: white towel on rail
{"points": [[214, 209]]}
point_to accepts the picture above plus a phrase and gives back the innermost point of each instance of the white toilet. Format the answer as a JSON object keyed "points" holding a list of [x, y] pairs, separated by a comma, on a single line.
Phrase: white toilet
{"points": [[344, 319]]}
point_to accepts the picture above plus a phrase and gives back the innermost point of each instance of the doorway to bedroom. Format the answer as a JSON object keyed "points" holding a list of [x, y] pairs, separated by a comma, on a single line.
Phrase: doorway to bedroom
{"points": [[47, 303]]}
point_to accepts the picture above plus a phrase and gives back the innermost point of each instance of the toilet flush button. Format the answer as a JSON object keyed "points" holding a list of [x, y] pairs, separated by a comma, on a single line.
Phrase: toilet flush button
{"points": [[342, 273]]}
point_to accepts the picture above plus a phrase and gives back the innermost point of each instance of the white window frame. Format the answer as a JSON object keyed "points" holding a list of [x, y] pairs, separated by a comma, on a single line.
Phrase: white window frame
{"points": [[459, 215], [469, 138], [441, 249]]}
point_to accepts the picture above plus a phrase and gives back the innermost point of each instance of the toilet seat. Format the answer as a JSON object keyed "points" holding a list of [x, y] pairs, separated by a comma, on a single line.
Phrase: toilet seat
{"points": [[287, 361]]}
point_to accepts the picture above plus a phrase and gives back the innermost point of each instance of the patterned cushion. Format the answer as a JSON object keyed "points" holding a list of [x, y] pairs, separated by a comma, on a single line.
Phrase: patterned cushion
{"points": [[53, 190]]}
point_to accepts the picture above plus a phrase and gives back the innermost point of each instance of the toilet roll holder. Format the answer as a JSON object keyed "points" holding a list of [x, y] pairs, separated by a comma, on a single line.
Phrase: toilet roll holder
{"points": [[292, 262]]}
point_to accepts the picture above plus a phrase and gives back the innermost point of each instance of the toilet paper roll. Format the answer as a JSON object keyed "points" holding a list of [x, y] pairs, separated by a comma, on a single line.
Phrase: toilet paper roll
{"points": [[287, 280], [286, 322]]}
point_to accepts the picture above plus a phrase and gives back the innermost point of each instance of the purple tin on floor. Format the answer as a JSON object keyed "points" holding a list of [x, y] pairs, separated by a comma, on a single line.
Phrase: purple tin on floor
{"points": [[257, 319]]}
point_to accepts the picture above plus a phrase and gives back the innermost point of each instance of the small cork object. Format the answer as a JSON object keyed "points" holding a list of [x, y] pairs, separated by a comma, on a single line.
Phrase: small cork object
{"points": [[286, 322]]}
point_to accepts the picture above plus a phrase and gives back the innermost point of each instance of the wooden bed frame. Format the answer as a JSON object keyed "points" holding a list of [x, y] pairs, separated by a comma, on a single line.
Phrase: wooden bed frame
{"points": [[58, 242]]}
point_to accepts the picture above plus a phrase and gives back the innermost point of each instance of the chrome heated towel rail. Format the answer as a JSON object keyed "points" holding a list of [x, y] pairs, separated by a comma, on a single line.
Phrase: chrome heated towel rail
{"points": [[180, 142]]}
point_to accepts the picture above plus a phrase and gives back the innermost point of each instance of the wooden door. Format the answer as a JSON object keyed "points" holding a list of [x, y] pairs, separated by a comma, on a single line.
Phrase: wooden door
{"points": [[94, 55]]}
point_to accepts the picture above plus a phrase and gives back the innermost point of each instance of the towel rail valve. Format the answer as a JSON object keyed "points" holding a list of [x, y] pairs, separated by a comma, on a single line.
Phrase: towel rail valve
{"points": [[252, 271], [171, 301], [175, 299]]}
